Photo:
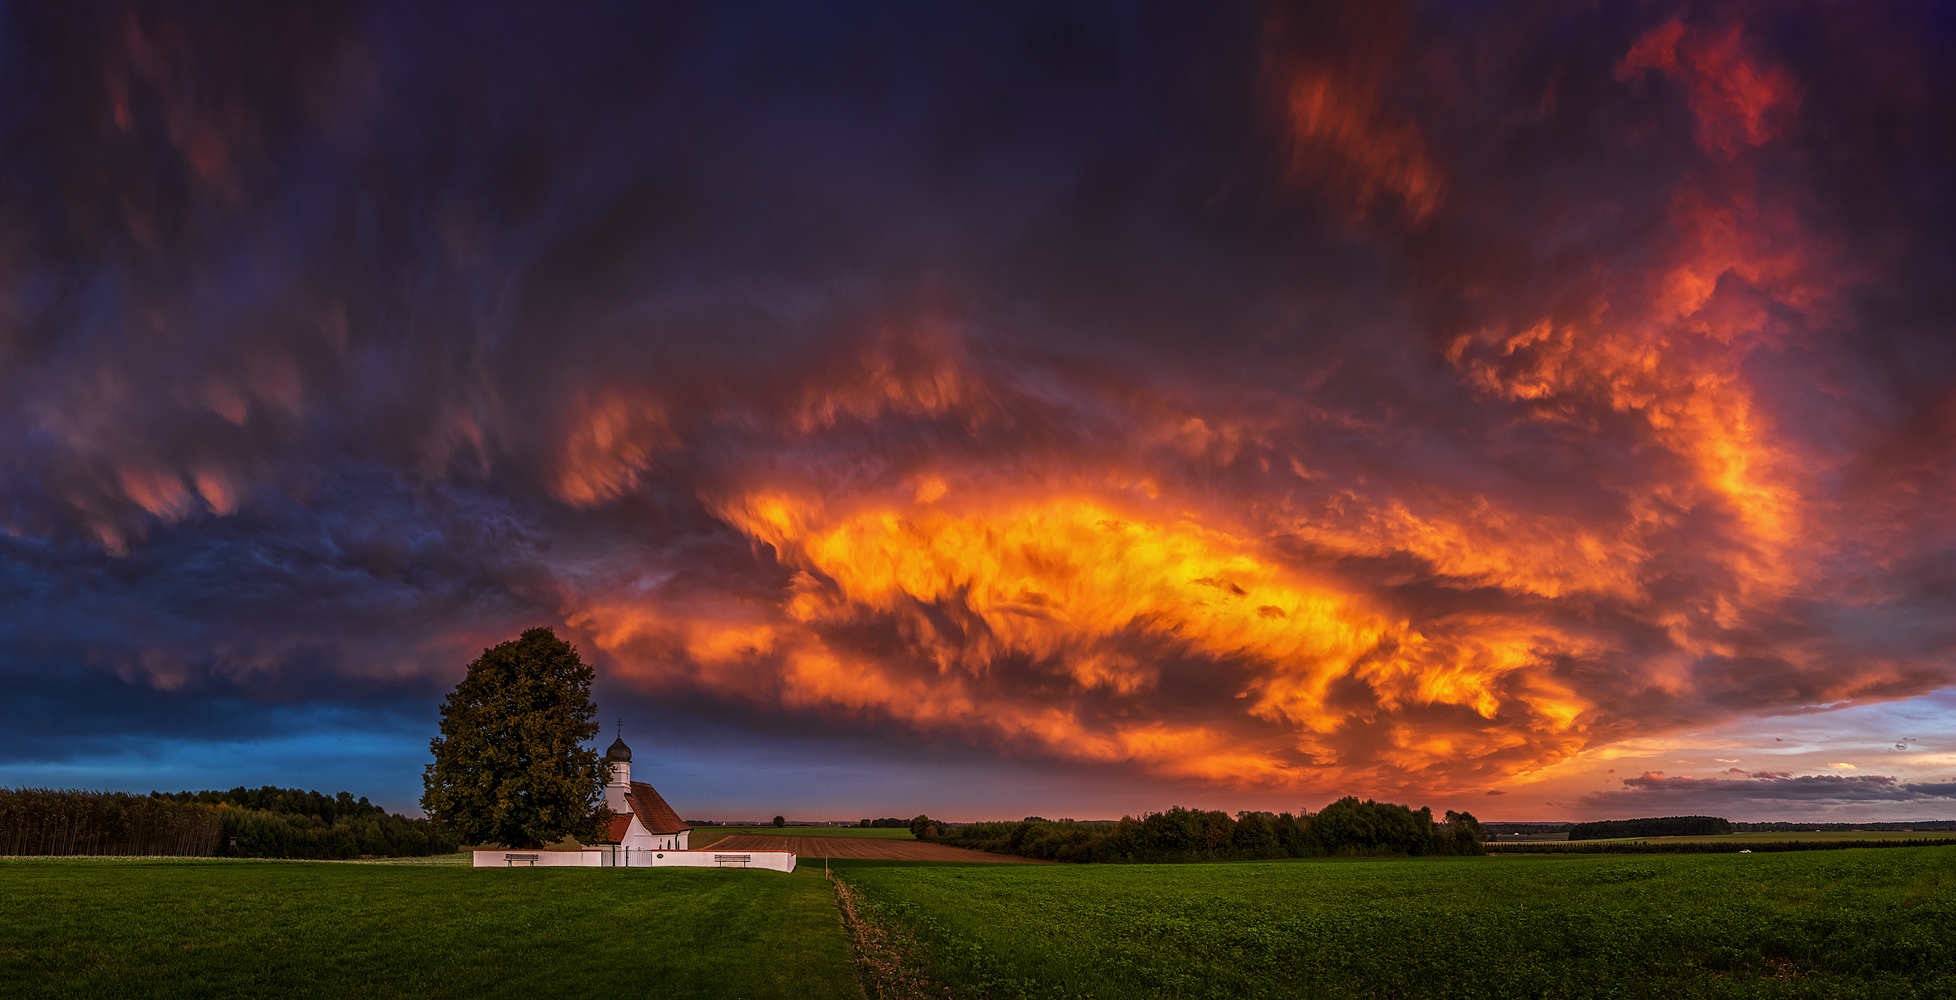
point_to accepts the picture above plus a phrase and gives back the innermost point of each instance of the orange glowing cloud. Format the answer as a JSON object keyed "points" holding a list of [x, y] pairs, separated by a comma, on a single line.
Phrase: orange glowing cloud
{"points": [[1328, 617], [1737, 102], [1091, 601], [1691, 404], [1344, 136], [611, 441], [901, 373], [1343, 132]]}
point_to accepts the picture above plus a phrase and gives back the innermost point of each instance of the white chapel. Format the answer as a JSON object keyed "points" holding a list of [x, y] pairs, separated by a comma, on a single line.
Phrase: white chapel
{"points": [[645, 833], [642, 820]]}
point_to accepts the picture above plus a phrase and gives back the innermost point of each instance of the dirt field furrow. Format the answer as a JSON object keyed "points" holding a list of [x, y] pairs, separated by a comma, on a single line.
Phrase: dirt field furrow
{"points": [[852, 847]]}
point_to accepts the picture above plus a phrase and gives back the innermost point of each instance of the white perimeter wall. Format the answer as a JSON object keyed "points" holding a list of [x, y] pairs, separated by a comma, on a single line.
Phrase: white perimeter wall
{"points": [[638, 840], [610, 857]]}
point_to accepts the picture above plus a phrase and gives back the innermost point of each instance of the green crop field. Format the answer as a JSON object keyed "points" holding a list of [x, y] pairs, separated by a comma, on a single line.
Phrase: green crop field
{"points": [[170, 928], [1836, 924], [701, 834]]}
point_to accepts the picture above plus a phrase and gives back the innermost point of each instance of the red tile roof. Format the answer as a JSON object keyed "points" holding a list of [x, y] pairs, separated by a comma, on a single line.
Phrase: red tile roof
{"points": [[653, 812], [616, 834]]}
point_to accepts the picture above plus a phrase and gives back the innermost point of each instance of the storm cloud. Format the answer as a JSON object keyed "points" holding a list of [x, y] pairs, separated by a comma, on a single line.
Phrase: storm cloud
{"points": [[1655, 791], [1283, 397]]}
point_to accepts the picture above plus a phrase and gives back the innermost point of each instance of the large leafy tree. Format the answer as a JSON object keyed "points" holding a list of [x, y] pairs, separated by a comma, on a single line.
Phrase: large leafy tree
{"points": [[510, 766]]}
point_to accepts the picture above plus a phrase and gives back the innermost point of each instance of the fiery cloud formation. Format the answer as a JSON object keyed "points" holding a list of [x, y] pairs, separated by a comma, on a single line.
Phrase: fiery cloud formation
{"points": [[1270, 399]]}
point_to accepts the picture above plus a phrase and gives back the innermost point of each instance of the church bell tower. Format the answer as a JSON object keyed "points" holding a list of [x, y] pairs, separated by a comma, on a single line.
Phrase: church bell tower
{"points": [[620, 758]]}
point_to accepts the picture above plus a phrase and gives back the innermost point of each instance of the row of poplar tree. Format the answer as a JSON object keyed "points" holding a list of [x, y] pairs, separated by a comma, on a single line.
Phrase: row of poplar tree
{"points": [[241, 823]]}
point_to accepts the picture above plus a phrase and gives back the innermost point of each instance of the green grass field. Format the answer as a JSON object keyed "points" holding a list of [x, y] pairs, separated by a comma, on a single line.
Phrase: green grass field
{"points": [[166, 928], [1832, 924], [1835, 924], [703, 833]]}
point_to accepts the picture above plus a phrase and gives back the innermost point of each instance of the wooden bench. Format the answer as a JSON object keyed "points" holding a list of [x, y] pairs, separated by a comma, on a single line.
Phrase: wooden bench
{"points": [[724, 860], [511, 859]]}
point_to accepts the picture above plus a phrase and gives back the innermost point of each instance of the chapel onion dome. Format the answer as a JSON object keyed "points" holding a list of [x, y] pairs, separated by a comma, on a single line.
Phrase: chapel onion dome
{"points": [[619, 751]]}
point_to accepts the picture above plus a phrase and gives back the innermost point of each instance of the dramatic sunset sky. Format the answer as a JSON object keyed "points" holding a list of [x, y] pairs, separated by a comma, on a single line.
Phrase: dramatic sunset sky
{"points": [[1541, 409]]}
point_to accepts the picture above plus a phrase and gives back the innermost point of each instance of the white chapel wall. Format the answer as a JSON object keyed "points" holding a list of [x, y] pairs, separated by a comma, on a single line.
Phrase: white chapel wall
{"points": [[611, 857]]}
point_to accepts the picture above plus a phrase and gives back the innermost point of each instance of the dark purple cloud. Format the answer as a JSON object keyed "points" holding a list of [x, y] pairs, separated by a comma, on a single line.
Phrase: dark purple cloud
{"points": [[1285, 397], [1653, 793]]}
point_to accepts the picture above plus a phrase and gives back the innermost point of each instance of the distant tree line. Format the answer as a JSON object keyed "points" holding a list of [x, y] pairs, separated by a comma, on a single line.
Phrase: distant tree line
{"points": [[1550, 829], [1716, 846], [67, 821], [273, 822], [1345, 828], [1901, 827], [887, 823], [1527, 829], [241, 823], [1659, 826], [326, 808]]}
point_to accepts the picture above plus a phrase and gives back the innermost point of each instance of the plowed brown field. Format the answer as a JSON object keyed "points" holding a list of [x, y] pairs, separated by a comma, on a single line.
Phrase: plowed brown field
{"points": [[855, 847]]}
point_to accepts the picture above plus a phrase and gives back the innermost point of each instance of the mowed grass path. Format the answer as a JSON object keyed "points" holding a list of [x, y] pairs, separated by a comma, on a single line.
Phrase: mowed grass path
{"points": [[1838, 924], [100, 928]]}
